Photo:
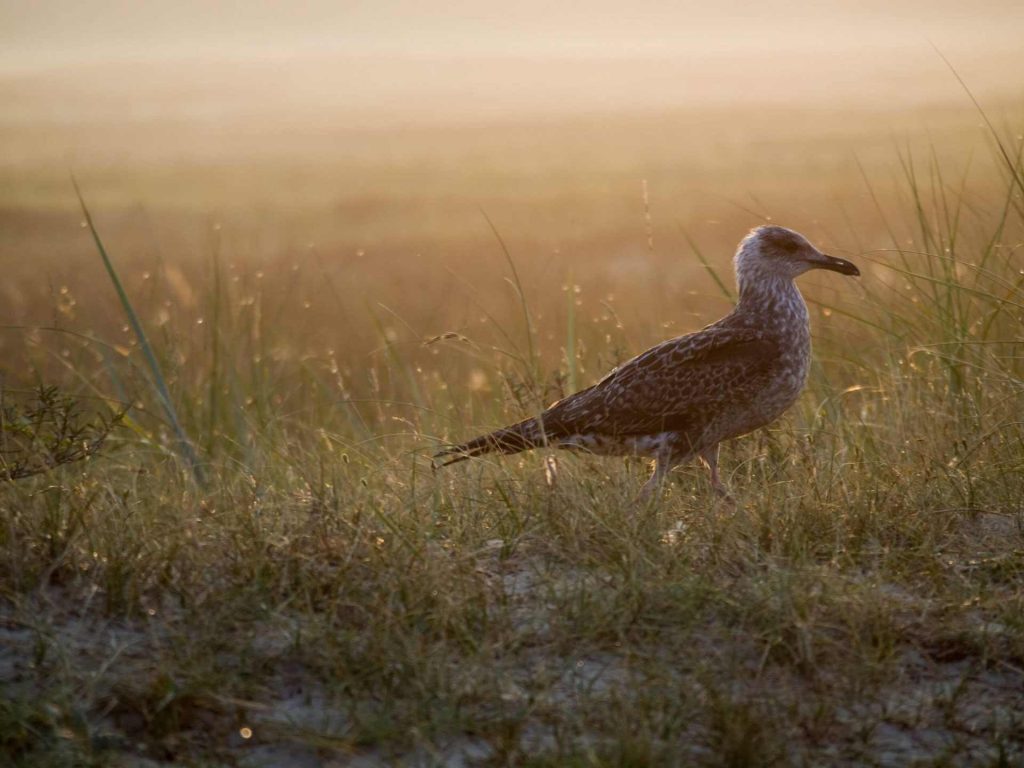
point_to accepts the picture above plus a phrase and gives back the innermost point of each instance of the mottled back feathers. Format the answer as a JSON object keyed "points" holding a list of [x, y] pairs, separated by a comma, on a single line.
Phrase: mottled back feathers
{"points": [[676, 386]]}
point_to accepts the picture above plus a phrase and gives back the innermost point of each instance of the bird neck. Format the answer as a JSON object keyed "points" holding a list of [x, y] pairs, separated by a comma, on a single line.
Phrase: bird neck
{"points": [[772, 296]]}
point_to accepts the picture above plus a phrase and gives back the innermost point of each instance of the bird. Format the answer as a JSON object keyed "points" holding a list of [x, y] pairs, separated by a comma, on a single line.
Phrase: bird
{"points": [[682, 398]]}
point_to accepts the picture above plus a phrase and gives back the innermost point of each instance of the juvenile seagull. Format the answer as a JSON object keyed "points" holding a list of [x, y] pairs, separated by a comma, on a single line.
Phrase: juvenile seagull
{"points": [[682, 398]]}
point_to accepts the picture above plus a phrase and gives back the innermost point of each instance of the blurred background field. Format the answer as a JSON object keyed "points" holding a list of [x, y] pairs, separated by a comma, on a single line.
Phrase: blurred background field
{"points": [[336, 169], [337, 237], [315, 248], [351, 234]]}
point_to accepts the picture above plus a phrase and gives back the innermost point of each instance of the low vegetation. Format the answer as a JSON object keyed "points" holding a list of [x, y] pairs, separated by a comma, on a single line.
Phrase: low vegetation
{"points": [[263, 568]]}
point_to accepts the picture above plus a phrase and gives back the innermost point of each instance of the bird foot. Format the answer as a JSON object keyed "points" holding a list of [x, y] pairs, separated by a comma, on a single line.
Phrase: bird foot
{"points": [[726, 498], [649, 493]]}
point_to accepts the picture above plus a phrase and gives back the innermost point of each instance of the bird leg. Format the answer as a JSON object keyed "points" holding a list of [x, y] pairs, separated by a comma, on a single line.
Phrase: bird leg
{"points": [[662, 464], [665, 461], [710, 457]]}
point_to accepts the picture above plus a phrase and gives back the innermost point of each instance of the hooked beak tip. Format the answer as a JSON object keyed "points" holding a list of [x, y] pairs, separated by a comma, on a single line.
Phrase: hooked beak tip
{"points": [[842, 266]]}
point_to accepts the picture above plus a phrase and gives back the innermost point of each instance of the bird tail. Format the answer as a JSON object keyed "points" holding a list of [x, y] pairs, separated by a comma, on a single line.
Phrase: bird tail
{"points": [[513, 439]]}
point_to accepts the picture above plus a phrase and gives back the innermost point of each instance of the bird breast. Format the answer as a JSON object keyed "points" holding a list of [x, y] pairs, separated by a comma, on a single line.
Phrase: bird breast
{"points": [[790, 324]]}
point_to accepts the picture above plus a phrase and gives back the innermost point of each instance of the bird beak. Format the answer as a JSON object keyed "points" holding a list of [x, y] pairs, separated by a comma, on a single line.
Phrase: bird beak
{"points": [[842, 266]]}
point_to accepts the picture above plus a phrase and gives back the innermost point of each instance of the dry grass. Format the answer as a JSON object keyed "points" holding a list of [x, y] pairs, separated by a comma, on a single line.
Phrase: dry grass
{"points": [[324, 598]]}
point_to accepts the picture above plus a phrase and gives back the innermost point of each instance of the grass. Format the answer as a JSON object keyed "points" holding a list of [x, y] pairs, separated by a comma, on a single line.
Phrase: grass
{"points": [[325, 595]]}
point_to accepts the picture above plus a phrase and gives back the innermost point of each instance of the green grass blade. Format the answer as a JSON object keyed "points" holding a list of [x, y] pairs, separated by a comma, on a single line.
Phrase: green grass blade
{"points": [[517, 283], [159, 383], [1012, 168], [570, 336], [707, 265]]}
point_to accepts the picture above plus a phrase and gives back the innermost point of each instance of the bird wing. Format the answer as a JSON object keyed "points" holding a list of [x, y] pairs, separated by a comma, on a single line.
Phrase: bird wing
{"points": [[676, 386]]}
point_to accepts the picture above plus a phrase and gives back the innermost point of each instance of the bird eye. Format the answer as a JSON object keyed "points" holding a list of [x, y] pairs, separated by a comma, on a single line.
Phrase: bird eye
{"points": [[789, 245]]}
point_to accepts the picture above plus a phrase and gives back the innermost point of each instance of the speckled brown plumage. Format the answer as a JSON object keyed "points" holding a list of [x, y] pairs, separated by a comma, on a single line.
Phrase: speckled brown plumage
{"points": [[681, 398]]}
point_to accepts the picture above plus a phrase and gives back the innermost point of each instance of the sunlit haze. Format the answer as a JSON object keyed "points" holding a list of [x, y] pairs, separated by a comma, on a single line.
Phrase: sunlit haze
{"points": [[201, 60], [264, 263]]}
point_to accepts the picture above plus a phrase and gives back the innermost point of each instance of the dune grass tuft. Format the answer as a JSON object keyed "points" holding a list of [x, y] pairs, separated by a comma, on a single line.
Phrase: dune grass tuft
{"points": [[324, 595]]}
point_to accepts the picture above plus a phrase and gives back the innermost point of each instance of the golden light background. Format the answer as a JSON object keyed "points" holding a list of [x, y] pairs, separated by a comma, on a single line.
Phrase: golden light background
{"points": [[355, 148]]}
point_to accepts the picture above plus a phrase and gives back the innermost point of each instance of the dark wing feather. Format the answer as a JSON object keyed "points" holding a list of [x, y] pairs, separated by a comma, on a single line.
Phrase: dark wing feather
{"points": [[678, 385]]}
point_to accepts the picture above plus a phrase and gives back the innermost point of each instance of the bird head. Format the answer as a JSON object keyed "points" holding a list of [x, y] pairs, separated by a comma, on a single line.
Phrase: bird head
{"points": [[772, 251]]}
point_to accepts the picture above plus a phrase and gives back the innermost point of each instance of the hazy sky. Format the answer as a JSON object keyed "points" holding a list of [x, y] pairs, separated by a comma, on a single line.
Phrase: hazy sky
{"points": [[75, 60], [45, 33]]}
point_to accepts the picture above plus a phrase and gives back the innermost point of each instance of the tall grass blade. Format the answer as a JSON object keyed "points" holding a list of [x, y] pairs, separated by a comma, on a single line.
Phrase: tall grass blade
{"points": [[570, 336], [528, 319], [707, 265], [1013, 168], [214, 389], [159, 383]]}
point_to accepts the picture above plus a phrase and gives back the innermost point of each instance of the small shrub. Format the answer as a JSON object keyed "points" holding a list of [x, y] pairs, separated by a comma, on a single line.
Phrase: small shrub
{"points": [[49, 430]]}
